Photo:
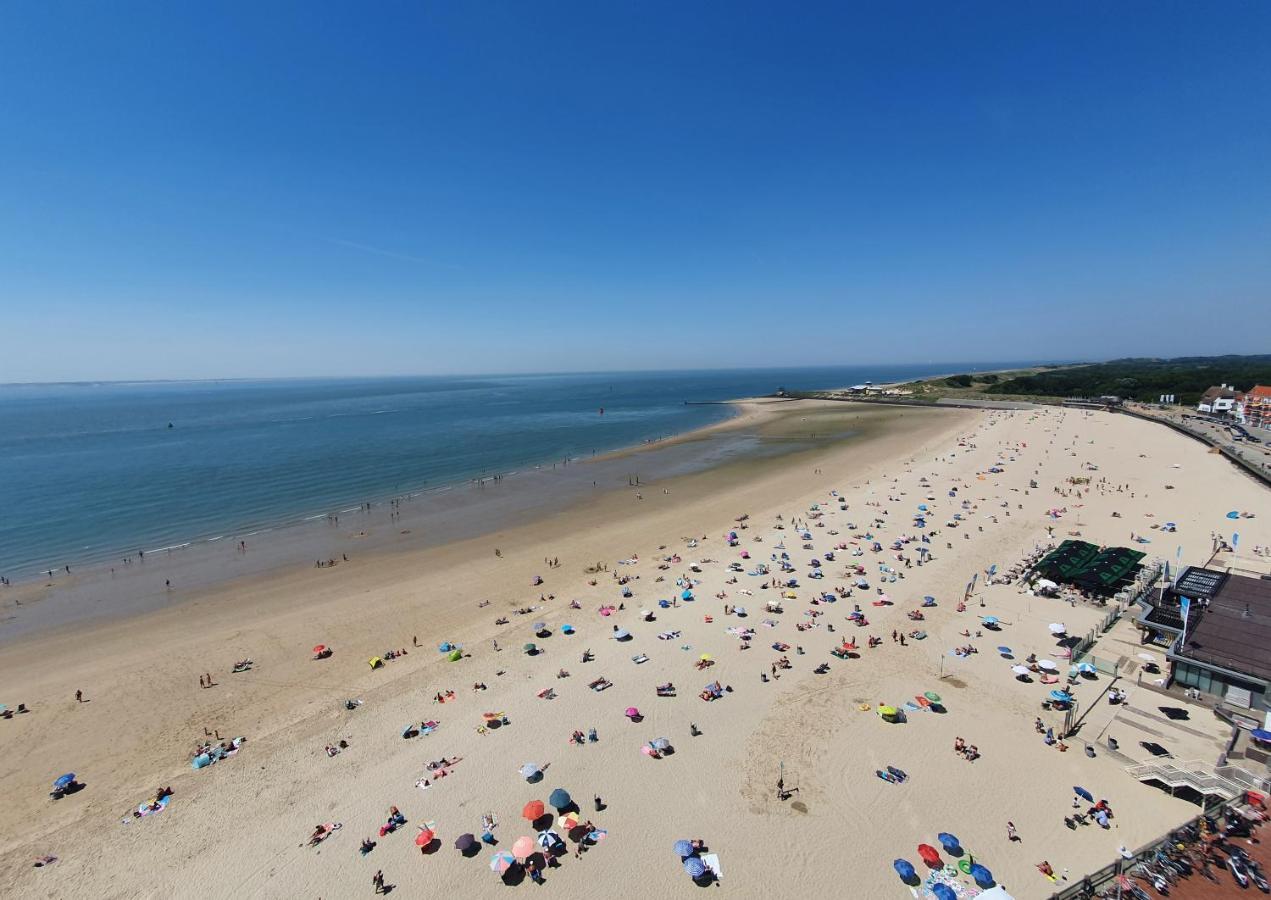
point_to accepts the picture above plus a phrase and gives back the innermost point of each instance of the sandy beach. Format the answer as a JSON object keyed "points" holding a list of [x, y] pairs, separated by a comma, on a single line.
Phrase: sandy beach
{"points": [[240, 827]]}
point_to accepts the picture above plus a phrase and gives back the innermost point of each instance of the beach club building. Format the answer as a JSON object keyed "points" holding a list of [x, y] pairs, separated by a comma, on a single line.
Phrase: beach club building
{"points": [[1255, 407], [1223, 649]]}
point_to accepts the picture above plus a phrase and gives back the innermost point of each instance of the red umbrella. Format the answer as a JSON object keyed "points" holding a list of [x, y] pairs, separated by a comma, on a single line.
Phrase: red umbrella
{"points": [[533, 810], [424, 838], [524, 847], [321, 648], [929, 855]]}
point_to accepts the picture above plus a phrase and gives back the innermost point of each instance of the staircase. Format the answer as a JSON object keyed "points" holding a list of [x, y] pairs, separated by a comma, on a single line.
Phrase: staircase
{"points": [[1226, 782]]}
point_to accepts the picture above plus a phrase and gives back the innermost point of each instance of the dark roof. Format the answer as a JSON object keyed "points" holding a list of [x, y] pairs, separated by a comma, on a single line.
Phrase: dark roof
{"points": [[1234, 630], [1199, 583], [1165, 617], [1081, 563]]}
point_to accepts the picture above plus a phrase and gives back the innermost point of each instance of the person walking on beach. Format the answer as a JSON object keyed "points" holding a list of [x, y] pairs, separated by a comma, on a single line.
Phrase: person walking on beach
{"points": [[378, 881], [1011, 835], [79, 696]]}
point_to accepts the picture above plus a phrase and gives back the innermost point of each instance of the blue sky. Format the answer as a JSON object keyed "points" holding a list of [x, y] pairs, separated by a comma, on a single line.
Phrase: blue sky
{"points": [[233, 189]]}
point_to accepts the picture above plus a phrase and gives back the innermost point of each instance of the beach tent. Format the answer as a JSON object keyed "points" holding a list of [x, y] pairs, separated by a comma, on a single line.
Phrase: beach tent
{"points": [[375, 662], [997, 892]]}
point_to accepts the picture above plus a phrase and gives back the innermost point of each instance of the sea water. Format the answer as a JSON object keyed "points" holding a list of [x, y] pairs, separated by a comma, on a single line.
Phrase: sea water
{"points": [[90, 472]]}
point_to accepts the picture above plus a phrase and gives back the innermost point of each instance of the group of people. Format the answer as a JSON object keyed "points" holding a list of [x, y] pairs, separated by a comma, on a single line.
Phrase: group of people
{"points": [[969, 752]]}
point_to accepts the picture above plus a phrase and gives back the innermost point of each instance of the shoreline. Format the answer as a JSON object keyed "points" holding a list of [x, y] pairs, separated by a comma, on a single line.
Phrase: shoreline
{"points": [[103, 561], [423, 520]]}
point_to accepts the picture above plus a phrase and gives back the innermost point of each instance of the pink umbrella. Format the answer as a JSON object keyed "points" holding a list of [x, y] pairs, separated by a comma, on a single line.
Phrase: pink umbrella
{"points": [[524, 847], [424, 838], [632, 712]]}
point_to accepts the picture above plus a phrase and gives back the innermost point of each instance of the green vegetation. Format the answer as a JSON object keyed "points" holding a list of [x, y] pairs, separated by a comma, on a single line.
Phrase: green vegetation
{"points": [[1140, 379]]}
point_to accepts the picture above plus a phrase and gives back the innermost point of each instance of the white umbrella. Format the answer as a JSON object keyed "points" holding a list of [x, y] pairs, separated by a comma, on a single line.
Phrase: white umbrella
{"points": [[1047, 664], [529, 770], [1147, 656], [1046, 584], [1020, 670], [1057, 628]]}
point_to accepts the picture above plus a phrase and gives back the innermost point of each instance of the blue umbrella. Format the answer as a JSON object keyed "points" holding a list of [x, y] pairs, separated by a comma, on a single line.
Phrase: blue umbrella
{"points": [[1061, 696], [990, 620], [1085, 667], [683, 849], [1083, 794], [686, 595], [904, 868], [695, 867], [943, 892], [1261, 734], [1233, 515], [922, 506], [63, 781], [983, 877], [948, 841], [929, 599], [1003, 649], [567, 629], [560, 799]]}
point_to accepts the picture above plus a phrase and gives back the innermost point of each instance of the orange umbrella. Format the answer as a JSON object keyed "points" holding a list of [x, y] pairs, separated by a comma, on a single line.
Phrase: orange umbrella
{"points": [[424, 838], [524, 847], [533, 810]]}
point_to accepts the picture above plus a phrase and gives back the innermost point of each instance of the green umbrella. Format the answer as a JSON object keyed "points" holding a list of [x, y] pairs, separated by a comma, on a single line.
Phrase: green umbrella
{"points": [[529, 648], [932, 696]]}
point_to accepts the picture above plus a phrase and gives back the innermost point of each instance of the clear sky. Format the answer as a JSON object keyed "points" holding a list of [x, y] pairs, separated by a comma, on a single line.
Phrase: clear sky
{"points": [[234, 189]]}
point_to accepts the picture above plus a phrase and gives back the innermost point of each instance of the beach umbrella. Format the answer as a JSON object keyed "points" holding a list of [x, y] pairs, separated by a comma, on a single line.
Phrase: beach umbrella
{"points": [[548, 839], [529, 770], [686, 595], [1260, 734], [1234, 514], [695, 867], [990, 620], [567, 629], [465, 842], [905, 869], [1083, 794], [523, 847], [1047, 664], [64, 780], [942, 891], [320, 648], [648, 751], [560, 799], [632, 713], [1085, 668], [532, 810], [1057, 627], [409, 730], [539, 626], [932, 696], [621, 634], [1005, 651], [1061, 696], [683, 849], [1020, 670], [922, 506], [929, 854], [424, 838], [529, 648], [1147, 657], [660, 743], [887, 711], [983, 877], [501, 861], [928, 599], [948, 841], [455, 655]]}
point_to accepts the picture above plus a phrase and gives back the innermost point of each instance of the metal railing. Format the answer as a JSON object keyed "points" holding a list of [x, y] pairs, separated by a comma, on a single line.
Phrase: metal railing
{"points": [[1198, 776], [1097, 880]]}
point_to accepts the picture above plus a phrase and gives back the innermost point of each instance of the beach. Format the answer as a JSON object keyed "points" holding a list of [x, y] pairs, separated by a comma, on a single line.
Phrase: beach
{"points": [[240, 827]]}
